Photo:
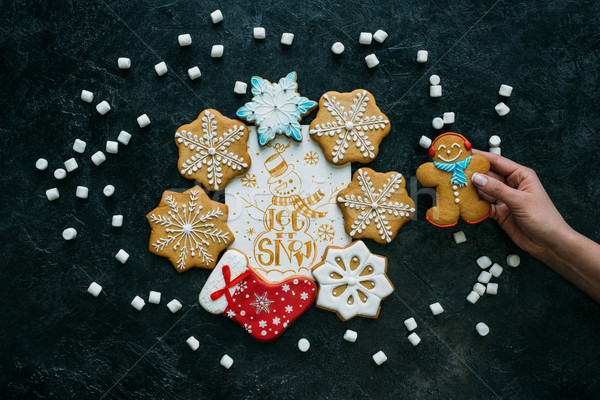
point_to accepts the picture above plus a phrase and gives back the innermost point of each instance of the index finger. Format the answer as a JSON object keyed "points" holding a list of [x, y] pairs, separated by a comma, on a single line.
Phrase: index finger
{"points": [[499, 164]]}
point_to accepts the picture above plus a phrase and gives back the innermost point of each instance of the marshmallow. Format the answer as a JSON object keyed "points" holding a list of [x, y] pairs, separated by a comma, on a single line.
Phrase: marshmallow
{"points": [[259, 33], [379, 357], [422, 56], [87, 96], [124, 137], [124, 63], [117, 221], [350, 336], [52, 194], [484, 277], [174, 306], [459, 237], [496, 150], [122, 256], [193, 343], [425, 142], [436, 308], [112, 147], [435, 91], [365, 38], [496, 270], [371, 60], [79, 146], [138, 303], [303, 345], [410, 324], [380, 35], [434, 80], [108, 190], [161, 68], [98, 158], [41, 164], [82, 192], [103, 107], [492, 288], [337, 48], [479, 289], [494, 141], [240, 87], [414, 339], [473, 297], [226, 361], [437, 123], [94, 289], [60, 173], [505, 90], [216, 16], [482, 329], [287, 38], [484, 262], [71, 165], [69, 234], [194, 73], [502, 109], [143, 120], [154, 297], [184, 40], [513, 260], [449, 118], [217, 51]]}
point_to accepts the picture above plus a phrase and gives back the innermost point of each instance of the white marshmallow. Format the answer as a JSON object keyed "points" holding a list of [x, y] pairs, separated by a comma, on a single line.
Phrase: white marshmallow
{"points": [[371, 61], [69, 234], [240, 87], [226, 361], [337, 48], [52, 194], [496, 150], [434, 80], [174, 306], [496, 270], [122, 256], [117, 221], [124, 63], [98, 158], [259, 33], [437, 123], [154, 297], [436, 308], [513, 260], [71, 165], [484, 262], [112, 147], [184, 40], [194, 73], [380, 35], [303, 345], [124, 137], [459, 237], [410, 324], [505, 90], [143, 120], [435, 91], [479, 289], [473, 297], [94, 289], [425, 142], [87, 96], [365, 38], [484, 277], [482, 329], [491, 288], [161, 68], [422, 56], [79, 146], [41, 164], [502, 109], [494, 141], [350, 336], [193, 343], [414, 339], [217, 51], [82, 192], [108, 190], [379, 357], [216, 16], [449, 117], [103, 107], [287, 38], [60, 173]]}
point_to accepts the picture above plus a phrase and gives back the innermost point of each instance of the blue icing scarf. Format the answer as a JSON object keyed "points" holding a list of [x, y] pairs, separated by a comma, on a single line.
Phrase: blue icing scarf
{"points": [[457, 169]]}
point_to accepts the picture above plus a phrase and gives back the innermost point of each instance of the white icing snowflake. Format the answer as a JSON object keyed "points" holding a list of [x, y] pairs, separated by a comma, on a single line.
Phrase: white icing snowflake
{"points": [[262, 323], [352, 281], [350, 125], [211, 149], [231, 313], [289, 309], [304, 295], [261, 303], [189, 229], [285, 287], [243, 285], [373, 205], [276, 321]]}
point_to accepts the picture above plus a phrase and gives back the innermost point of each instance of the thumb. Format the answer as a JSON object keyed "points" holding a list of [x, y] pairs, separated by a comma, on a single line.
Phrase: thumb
{"points": [[496, 189]]}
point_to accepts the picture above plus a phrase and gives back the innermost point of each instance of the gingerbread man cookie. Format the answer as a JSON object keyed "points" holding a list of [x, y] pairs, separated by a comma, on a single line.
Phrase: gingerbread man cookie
{"points": [[213, 149], [189, 229], [450, 173]]}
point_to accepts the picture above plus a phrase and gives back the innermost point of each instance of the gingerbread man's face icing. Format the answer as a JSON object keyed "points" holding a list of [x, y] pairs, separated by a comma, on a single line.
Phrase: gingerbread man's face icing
{"points": [[450, 149]]}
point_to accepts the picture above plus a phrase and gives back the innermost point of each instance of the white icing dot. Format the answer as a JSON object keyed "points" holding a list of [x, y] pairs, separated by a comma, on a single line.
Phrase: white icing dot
{"points": [[211, 151], [349, 125], [457, 201], [295, 281], [264, 333], [242, 313]]}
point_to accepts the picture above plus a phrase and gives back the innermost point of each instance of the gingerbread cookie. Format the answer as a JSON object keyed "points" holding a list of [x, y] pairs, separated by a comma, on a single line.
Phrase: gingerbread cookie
{"points": [[276, 108], [375, 205], [265, 309], [189, 229], [352, 281], [450, 173], [349, 127], [213, 149]]}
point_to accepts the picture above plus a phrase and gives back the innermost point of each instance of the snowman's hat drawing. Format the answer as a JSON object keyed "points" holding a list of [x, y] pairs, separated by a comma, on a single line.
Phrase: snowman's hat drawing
{"points": [[277, 167]]}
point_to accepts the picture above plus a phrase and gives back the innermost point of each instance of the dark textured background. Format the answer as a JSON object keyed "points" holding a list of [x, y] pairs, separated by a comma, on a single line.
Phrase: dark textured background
{"points": [[60, 342]]}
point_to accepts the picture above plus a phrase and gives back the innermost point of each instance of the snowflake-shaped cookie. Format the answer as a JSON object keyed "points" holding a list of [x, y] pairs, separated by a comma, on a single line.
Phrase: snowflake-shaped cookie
{"points": [[189, 229], [375, 205], [352, 281], [276, 108], [349, 126], [213, 149]]}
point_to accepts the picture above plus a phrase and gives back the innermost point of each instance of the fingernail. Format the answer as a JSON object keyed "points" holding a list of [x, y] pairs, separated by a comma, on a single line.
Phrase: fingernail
{"points": [[479, 179]]}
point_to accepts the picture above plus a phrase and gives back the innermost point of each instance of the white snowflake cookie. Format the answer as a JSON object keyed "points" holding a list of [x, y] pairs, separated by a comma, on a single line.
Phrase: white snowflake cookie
{"points": [[352, 281]]}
